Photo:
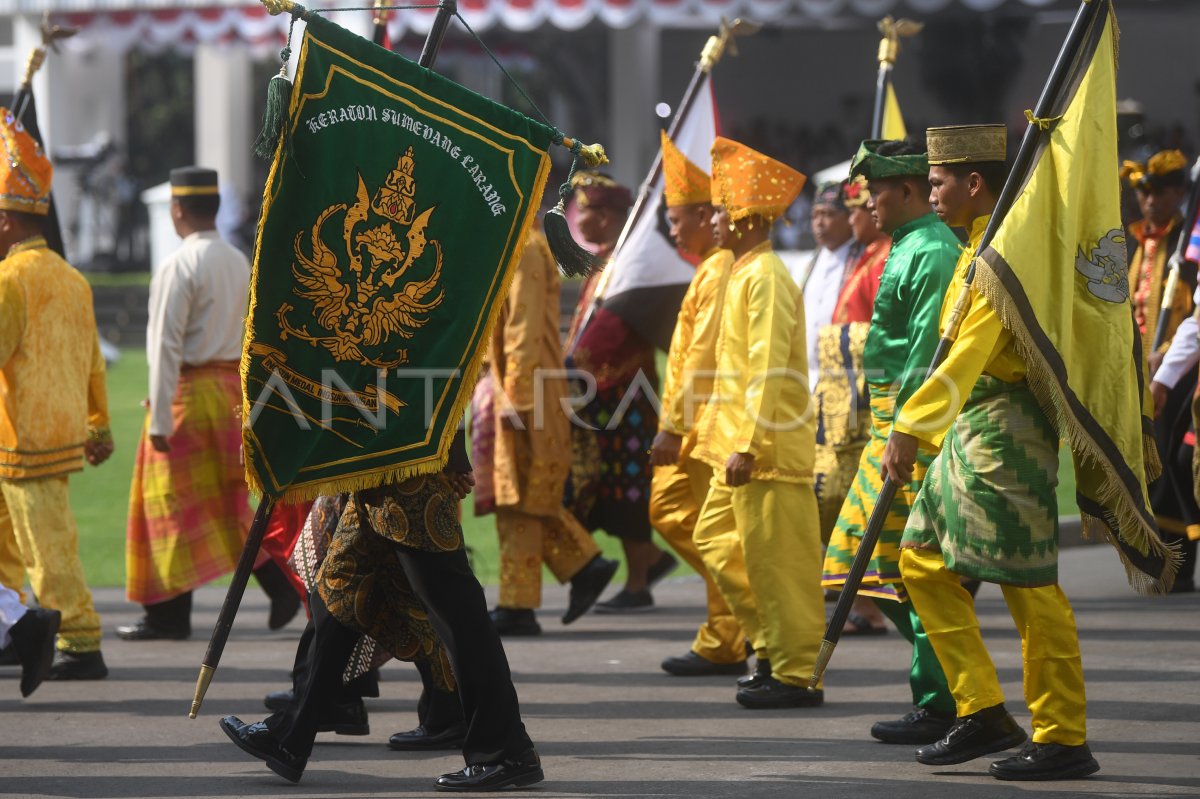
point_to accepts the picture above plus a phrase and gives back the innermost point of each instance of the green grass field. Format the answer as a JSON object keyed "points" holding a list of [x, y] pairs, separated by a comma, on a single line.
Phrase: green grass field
{"points": [[100, 496]]}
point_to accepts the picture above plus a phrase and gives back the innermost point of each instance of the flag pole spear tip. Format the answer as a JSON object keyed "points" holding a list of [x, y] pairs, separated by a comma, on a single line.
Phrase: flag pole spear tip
{"points": [[893, 31], [277, 7], [726, 37]]}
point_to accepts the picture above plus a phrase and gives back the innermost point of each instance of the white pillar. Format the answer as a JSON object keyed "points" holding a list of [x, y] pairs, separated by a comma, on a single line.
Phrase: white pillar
{"points": [[634, 88], [225, 119]]}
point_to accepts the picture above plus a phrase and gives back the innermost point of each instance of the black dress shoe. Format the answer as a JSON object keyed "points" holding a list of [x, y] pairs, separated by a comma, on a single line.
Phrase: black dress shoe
{"points": [[627, 602], [285, 602], [515, 621], [33, 644], [143, 630], [665, 564], [524, 769], [1046, 762], [921, 726], [9, 657], [769, 693], [283, 609], [694, 665], [587, 585], [278, 701], [981, 733], [420, 738], [257, 741], [762, 670], [79, 666]]}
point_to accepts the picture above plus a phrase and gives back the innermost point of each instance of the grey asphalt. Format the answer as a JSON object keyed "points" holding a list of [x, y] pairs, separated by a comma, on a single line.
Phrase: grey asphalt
{"points": [[606, 720]]}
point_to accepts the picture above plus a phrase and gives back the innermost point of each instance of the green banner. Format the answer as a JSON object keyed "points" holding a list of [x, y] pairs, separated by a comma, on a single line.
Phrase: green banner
{"points": [[396, 207]]}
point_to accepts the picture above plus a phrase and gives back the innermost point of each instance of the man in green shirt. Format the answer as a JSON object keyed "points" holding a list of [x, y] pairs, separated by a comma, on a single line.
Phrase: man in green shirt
{"points": [[904, 333]]}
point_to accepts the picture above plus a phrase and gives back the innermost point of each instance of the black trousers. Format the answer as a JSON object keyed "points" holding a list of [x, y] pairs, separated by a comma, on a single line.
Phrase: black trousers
{"points": [[362, 686], [452, 595]]}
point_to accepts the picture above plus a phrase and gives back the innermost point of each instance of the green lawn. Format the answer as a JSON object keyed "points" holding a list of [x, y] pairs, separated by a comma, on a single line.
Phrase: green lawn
{"points": [[100, 496]]}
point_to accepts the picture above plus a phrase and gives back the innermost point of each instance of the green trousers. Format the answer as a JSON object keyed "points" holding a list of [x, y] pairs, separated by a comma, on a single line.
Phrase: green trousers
{"points": [[926, 678]]}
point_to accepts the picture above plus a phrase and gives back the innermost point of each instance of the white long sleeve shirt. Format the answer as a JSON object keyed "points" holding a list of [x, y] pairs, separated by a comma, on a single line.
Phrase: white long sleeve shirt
{"points": [[821, 292], [1183, 353], [198, 302]]}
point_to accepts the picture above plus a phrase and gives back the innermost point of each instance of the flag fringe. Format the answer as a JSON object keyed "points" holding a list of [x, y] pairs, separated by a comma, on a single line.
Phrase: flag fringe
{"points": [[1127, 522]]}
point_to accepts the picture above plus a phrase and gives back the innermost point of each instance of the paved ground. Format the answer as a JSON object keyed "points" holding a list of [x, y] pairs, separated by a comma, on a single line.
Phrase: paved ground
{"points": [[607, 721]]}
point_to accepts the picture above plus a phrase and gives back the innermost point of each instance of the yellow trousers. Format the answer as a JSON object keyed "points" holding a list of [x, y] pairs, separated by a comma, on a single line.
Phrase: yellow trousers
{"points": [[677, 492], [761, 543], [528, 541], [38, 537], [1054, 688]]}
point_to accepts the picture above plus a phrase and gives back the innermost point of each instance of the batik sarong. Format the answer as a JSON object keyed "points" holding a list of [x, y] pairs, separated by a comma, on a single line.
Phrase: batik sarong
{"points": [[189, 508], [988, 503], [843, 419], [882, 578]]}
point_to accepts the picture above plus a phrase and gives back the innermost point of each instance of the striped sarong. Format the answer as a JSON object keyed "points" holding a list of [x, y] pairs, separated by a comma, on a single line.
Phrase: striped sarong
{"points": [[988, 502], [189, 508], [882, 578]]}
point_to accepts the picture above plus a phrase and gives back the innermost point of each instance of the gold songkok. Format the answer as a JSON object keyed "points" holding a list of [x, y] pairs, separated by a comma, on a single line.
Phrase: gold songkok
{"points": [[1167, 168], [684, 183], [856, 192], [597, 190], [25, 171], [967, 144], [746, 182]]}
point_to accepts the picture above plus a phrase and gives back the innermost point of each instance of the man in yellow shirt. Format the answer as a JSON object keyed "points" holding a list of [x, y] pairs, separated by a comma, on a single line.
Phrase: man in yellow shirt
{"points": [[759, 531], [975, 519], [680, 482], [53, 405]]}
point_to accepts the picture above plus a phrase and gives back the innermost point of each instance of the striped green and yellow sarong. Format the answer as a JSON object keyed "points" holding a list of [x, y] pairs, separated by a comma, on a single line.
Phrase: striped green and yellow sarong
{"points": [[882, 578], [988, 502]]}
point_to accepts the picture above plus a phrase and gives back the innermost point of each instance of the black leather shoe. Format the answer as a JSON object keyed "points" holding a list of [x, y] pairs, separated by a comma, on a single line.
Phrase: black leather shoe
{"points": [[587, 585], [921, 726], [981, 733], [1046, 762], [143, 630], [9, 657], [421, 739], [278, 701], [762, 670], [524, 769], [515, 621], [78, 666], [283, 609], [33, 644], [345, 718], [257, 741], [769, 693], [627, 602], [665, 564], [694, 665]]}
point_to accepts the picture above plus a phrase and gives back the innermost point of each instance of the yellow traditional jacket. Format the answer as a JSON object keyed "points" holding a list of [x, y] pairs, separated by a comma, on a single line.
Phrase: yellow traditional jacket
{"points": [[530, 466], [692, 357], [761, 405], [52, 392], [983, 345]]}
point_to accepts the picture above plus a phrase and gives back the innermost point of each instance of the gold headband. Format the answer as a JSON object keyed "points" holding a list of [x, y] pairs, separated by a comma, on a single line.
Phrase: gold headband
{"points": [[192, 191]]}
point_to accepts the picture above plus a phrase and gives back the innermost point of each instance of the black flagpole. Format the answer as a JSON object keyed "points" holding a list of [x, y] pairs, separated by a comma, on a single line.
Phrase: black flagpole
{"points": [[241, 576], [1064, 66]]}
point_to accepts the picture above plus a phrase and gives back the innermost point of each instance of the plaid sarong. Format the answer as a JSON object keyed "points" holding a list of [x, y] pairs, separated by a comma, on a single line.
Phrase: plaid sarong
{"points": [[882, 578], [988, 502], [189, 508]]}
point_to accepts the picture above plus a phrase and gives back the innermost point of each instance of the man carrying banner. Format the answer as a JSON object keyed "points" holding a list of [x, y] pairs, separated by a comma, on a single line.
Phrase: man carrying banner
{"points": [[901, 341], [610, 476], [680, 482], [533, 455], [758, 530], [189, 509], [53, 405], [1161, 188]]}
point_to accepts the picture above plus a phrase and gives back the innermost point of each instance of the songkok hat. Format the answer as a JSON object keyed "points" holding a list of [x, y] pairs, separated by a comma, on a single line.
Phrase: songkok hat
{"points": [[1167, 168], [747, 182], [857, 193], [193, 181], [873, 166], [966, 144], [832, 194], [684, 183], [25, 171], [597, 190]]}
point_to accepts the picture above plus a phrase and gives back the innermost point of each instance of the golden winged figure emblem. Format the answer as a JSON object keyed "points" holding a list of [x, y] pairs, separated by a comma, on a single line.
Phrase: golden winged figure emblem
{"points": [[366, 294]]}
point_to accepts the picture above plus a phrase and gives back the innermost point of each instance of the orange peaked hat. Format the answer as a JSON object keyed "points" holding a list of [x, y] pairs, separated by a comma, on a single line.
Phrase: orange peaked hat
{"points": [[684, 183], [25, 171], [747, 182]]}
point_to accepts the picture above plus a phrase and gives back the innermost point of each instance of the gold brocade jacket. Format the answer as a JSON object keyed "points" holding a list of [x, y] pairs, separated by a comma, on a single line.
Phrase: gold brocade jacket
{"points": [[530, 466], [692, 357], [52, 390], [761, 405]]}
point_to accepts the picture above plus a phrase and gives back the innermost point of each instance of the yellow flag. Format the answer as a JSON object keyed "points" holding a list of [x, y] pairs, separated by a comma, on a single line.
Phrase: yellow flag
{"points": [[1057, 273], [893, 120]]}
